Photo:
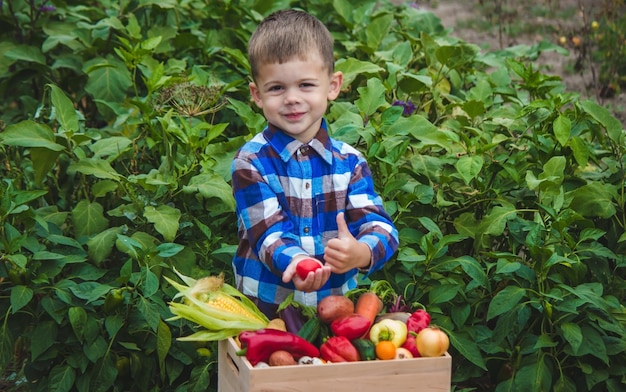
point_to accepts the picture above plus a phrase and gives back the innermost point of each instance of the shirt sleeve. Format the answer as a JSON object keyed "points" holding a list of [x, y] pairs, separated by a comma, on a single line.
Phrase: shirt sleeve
{"points": [[267, 225], [368, 218]]}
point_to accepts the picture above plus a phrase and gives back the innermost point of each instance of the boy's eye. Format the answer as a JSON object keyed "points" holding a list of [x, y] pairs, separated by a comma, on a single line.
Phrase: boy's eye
{"points": [[307, 85], [275, 88]]}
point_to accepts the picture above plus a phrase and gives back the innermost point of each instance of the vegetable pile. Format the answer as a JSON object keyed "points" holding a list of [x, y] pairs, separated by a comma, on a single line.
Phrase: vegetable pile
{"points": [[360, 330], [338, 329]]}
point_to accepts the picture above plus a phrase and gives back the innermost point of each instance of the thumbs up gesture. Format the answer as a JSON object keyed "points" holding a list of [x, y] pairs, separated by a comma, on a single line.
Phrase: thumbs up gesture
{"points": [[345, 252]]}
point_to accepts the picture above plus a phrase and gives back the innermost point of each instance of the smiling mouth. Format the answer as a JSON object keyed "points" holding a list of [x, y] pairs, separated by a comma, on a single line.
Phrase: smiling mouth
{"points": [[294, 116]]}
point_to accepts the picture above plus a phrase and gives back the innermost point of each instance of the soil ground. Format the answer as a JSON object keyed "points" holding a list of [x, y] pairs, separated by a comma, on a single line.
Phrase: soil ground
{"points": [[498, 24]]}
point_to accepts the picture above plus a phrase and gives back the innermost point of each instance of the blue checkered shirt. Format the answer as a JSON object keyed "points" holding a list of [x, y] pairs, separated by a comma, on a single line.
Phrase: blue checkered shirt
{"points": [[288, 195]]}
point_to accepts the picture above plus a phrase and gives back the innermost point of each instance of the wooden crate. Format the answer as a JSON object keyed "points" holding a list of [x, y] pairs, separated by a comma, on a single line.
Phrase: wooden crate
{"points": [[236, 374]]}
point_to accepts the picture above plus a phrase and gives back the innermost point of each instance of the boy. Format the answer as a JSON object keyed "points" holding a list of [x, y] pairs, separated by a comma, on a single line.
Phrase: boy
{"points": [[299, 193]]}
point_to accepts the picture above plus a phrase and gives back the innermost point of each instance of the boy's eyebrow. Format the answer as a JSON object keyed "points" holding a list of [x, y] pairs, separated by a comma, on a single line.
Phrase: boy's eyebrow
{"points": [[302, 80]]}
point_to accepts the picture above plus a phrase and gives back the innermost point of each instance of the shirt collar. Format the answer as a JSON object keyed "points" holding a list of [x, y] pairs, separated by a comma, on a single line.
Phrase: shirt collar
{"points": [[286, 145]]}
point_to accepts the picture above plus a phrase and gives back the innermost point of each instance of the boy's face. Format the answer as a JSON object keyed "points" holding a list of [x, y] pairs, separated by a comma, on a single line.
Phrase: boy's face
{"points": [[294, 95]]}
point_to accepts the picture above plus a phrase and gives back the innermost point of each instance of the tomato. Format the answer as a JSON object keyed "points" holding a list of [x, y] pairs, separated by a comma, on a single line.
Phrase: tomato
{"points": [[432, 342], [305, 266], [385, 349]]}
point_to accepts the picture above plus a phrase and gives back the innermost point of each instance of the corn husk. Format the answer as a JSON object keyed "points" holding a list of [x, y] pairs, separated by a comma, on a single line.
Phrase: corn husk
{"points": [[216, 322]]}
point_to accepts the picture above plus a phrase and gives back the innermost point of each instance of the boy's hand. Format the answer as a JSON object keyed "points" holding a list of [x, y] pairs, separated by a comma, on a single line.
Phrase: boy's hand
{"points": [[314, 281], [345, 252]]}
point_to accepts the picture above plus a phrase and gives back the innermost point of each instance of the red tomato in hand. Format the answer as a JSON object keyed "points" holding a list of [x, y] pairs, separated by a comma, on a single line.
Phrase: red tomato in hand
{"points": [[305, 266]]}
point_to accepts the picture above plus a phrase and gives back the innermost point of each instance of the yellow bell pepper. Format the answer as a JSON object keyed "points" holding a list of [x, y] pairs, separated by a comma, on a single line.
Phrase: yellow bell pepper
{"points": [[387, 329]]}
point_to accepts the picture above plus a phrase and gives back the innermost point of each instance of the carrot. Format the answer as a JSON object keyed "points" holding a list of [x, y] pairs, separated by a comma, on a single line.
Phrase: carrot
{"points": [[369, 305]]}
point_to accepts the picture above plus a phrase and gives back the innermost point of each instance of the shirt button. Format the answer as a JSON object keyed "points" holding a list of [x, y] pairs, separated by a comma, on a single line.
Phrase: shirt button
{"points": [[304, 149], [307, 185], [306, 229]]}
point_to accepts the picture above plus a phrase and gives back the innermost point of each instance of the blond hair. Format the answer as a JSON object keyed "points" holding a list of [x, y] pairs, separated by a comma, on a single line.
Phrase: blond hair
{"points": [[286, 35]]}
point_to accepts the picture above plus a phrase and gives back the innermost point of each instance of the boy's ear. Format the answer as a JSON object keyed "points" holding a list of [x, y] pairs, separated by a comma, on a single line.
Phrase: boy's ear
{"points": [[336, 81], [256, 95]]}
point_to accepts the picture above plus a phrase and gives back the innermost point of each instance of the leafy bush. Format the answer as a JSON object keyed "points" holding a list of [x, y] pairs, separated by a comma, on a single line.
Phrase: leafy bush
{"points": [[118, 130]]}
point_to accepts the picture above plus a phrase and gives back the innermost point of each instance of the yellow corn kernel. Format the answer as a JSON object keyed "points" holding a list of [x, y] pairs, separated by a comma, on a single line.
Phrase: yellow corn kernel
{"points": [[228, 304]]}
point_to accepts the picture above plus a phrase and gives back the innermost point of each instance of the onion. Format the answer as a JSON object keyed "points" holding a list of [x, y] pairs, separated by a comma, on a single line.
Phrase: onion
{"points": [[432, 342]]}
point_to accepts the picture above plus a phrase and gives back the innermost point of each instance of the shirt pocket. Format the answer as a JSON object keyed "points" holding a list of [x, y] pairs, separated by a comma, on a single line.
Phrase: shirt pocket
{"points": [[326, 220]]}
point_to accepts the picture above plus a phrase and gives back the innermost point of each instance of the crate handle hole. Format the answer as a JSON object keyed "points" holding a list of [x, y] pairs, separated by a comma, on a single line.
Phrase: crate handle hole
{"points": [[232, 364]]}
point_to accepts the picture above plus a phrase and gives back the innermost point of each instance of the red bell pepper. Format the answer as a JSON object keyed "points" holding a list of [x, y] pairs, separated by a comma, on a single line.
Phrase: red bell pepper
{"points": [[410, 345], [258, 345], [339, 349], [418, 320], [352, 326]]}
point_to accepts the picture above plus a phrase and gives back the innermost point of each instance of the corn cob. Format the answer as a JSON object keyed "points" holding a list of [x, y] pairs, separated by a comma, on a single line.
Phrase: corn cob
{"points": [[207, 290], [216, 306]]}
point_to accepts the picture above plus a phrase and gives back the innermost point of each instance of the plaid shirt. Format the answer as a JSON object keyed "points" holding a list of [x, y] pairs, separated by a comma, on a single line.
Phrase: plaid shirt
{"points": [[288, 195]]}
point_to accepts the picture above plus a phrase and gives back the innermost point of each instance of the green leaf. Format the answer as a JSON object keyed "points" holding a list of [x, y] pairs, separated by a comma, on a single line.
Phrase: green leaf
{"points": [[128, 245], [562, 127], [26, 53], [442, 294], [150, 282], [505, 300], [88, 218], [467, 348], [44, 336], [108, 79], [62, 378], [591, 293], [535, 376], [150, 312], [95, 167], [352, 68], [78, 320], [103, 376], [28, 133], [592, 344], [371, 97], [90, 291], [377, 29], [210, 185], [594, 199], [467, 224], [169, 249], [101, 245], [165, 219], [63, 109], [20, 297], [344, 10], [474, 108], [111, 147], [564, 384], [255, 122], [573, 335], [495, 222], [44, 159], [113, 324], [580, 150], [613, 126], [421, 129], [411, 82], [544, 341], [475, 271], [164, 341], [469, 167]]}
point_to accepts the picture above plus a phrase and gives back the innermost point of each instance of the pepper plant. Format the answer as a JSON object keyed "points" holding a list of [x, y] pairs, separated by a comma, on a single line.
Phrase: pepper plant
{"points": [[118, 128]]}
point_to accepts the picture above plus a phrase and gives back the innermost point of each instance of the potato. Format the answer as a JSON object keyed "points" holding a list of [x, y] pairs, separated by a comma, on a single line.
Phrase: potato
{"points": [[281, 358], [334, 306]]}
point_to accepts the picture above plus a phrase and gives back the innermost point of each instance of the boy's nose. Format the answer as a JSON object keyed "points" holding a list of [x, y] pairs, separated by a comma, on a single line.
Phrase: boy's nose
{"points": [[292, 97]]}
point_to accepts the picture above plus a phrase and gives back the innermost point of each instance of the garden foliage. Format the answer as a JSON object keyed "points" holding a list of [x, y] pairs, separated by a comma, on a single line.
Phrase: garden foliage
{"points": [[118, 126]]}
